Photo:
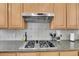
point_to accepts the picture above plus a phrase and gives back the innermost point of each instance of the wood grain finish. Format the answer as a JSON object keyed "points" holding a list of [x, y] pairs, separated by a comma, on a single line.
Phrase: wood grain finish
{"points": [[61, 53], [59, 21], [3, 15], [49, 53], [78, 16], [69, 53], [71, 16], [7, 54], [38, 7], [66, 15], [28, 54], [15, 17]]}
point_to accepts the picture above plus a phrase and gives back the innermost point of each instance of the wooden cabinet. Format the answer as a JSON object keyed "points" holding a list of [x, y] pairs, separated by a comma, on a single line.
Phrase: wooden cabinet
{"points": [[59, 21], [7, 54], [78, 16], [38, 54], [3, 15], [38, 7], [71, 16], [49, 54], [66, 15], [69, 53], [61, 53], [28, 54], [15, 17]]}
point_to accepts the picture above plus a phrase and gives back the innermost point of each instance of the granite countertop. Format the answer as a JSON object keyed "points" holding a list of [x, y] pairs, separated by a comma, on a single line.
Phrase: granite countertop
{"points": [[13, 46]]}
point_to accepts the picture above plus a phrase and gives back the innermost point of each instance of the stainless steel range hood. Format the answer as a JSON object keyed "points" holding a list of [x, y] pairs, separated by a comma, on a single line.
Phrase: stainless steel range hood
{"points": [[38, 17]]}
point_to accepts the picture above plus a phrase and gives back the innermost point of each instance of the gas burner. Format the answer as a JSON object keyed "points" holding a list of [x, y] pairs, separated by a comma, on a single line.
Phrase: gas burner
{"points": [[30, 44], [43, 44], [50, 44]]}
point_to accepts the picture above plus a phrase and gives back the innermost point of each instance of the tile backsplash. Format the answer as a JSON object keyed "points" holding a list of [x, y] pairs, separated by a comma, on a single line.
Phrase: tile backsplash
{"points": [[36, 31], [11, 34]]}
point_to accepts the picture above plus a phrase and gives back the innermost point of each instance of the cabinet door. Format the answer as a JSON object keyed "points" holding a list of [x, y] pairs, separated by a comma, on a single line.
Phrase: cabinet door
{"points": [[27, 53], [69, 53], [49, 54], [71, 16], [15, 17], [3, 15], [78, 16], [38, 7], [59, 21], [8, 54]]}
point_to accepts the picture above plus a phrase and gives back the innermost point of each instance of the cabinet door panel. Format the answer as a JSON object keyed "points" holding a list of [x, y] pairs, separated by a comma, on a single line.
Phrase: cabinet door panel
{"points": [[59, 21], [15, 17], [7, 54], [69, 53], [38, 7], [71, 16], [28, 54], [49, 54], [3, 15]]}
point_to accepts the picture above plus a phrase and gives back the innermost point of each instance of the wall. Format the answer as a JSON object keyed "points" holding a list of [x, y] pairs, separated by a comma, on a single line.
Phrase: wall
{"points": [[35, 31]]}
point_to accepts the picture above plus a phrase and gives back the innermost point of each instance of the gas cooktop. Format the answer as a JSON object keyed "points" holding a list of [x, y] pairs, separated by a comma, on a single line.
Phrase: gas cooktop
{"points": [[38, 44]]}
